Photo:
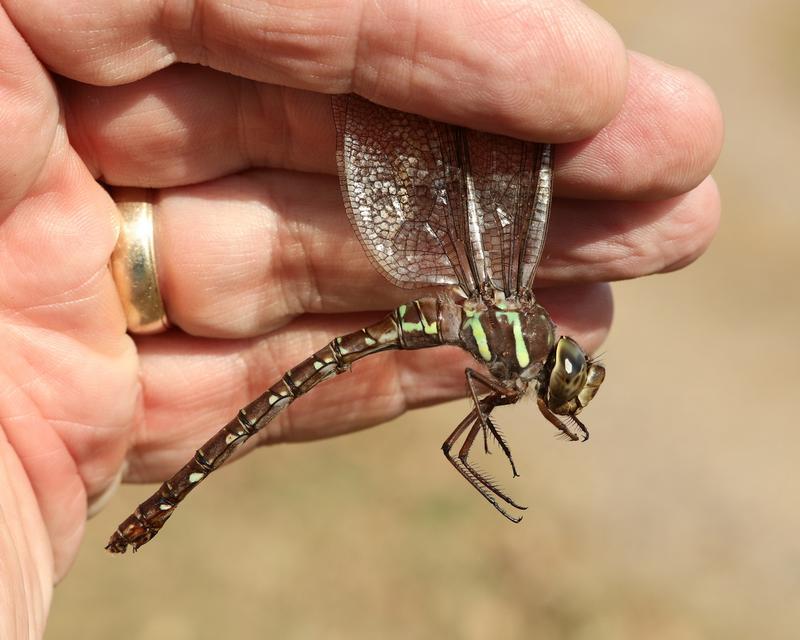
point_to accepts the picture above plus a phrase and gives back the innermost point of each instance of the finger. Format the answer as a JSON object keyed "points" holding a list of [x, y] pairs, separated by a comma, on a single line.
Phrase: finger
{"points": [[61, 327], [193, 387], [540, 69], [241, 256], [664, 141], [30, 118], [155, 132], [599, 241]]}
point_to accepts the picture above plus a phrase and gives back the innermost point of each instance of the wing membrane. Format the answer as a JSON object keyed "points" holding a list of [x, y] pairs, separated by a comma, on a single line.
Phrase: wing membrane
{"points": [[403, 193], [513, 187], [436, 204]]}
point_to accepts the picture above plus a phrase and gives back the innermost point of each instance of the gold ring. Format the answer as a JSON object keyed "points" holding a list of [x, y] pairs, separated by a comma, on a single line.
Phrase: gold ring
{"points": [[133, 263]]}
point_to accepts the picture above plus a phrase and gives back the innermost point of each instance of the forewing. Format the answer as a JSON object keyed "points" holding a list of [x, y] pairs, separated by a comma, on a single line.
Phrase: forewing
{"points": [[405, 193]]}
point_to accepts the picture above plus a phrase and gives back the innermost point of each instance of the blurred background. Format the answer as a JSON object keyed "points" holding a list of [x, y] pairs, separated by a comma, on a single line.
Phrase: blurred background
{"points": [[678, 521]]}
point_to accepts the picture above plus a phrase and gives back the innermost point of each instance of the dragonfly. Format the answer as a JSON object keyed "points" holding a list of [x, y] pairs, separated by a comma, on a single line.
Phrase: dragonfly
{"points": [[433, 205]]}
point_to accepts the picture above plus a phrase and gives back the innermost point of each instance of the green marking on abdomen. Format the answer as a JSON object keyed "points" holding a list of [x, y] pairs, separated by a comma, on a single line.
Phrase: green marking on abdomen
{"points": [[406, 326], [430, 328]]}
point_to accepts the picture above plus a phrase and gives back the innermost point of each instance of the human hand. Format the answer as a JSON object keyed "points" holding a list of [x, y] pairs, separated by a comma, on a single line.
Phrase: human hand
{"points": [[258, 267]]}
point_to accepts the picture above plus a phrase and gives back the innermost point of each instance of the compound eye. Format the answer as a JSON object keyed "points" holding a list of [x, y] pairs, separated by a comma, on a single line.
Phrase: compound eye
{"points": [[569, 370], [570, 357]]}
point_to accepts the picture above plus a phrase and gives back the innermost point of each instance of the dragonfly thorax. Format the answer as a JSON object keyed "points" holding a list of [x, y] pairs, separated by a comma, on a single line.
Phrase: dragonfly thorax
{"points": [[513, 339]]}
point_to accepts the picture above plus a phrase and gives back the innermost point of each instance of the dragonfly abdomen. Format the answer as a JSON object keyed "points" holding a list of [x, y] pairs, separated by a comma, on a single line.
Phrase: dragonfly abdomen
{"points": [[427, 322]]}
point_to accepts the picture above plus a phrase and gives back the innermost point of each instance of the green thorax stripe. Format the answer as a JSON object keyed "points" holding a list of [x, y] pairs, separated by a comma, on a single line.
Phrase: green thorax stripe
{"points": [[520, 348], [473, 323]]}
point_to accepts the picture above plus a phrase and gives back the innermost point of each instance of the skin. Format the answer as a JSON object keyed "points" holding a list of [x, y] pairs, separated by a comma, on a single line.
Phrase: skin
{"points": [[252, 239]]}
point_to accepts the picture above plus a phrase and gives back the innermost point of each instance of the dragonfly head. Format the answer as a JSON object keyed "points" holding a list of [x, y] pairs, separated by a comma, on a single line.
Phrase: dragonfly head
{"points": [[572, 378]]}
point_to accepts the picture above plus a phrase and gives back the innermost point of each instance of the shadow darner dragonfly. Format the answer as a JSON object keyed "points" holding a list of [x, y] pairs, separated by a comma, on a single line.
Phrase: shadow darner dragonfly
{"points": [[433, 204]]}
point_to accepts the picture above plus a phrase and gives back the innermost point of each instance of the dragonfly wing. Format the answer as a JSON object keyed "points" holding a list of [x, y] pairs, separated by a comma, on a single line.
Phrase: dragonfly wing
{"points": [[405, 194], [512, 183], [436, 204], [538, 218]]}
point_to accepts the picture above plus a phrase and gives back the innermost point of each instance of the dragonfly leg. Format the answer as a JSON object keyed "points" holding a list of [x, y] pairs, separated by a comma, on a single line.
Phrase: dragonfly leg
{"points": [[558, 423], [582, 427], [500, 396], [479, 483], [463, 457], [447, 445], [501, 392], [501, 441], [470, 374]]}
